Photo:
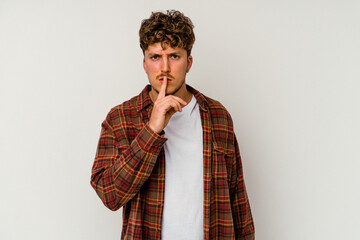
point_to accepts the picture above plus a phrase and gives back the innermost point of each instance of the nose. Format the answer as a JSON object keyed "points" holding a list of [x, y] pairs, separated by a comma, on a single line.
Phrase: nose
{"points": [[165, 65]]}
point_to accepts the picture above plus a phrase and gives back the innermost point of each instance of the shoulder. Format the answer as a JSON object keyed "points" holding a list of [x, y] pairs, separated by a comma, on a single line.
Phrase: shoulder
{"points": [[221, 125], [218, 113], [122, 111], [123, 121], [130, 109], [216, 109]]}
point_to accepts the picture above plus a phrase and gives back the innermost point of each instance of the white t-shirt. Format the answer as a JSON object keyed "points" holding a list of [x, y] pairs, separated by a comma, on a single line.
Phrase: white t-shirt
{"points": [[183, 211]]}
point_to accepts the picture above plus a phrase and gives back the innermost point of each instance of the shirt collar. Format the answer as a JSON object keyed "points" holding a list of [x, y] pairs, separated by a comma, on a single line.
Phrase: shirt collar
{"points": [[144, 100]]}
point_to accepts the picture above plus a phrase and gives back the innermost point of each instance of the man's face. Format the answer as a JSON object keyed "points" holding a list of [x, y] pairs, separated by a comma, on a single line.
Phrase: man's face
{"points": [[170, 62]]}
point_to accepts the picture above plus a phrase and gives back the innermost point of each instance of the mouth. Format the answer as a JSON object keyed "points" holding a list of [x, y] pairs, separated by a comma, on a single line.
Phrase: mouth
{"points": [[162, 79]]}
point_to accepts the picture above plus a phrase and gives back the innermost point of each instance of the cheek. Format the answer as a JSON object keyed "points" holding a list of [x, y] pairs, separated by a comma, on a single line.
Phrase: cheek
{"points": [[152, 69], [185, 68], [180, 68]]}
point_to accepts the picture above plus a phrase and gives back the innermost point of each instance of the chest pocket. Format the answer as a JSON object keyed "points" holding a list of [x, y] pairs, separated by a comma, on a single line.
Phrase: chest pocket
{"points": [[222, 162]]}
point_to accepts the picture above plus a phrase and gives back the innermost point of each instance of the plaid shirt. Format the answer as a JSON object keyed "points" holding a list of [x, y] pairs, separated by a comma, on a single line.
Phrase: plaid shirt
{"points": [[129, 171]]}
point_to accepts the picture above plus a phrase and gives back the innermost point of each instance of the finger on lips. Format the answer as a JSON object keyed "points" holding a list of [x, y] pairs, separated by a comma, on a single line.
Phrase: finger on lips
{"points": [[162, 92], [178, 102]]}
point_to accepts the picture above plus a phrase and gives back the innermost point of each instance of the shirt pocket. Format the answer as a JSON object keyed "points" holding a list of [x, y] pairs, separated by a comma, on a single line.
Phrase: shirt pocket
{"points": [[222, 162]]}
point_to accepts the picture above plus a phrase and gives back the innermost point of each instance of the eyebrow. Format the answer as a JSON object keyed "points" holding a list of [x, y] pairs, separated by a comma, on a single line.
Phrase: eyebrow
{"points": [[171, 53]]}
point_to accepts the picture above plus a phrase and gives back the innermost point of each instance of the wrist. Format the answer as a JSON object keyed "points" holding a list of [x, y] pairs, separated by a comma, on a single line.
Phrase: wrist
{"points": [[158, 131]]}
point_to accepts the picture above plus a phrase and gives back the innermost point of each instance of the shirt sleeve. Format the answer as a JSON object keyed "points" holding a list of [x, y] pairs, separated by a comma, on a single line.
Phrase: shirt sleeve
{"points": [[119, 172], [243, 221]]}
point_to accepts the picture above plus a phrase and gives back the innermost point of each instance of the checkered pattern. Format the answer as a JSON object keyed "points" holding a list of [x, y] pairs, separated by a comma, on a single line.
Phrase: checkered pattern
{"points": [[129, 171]]}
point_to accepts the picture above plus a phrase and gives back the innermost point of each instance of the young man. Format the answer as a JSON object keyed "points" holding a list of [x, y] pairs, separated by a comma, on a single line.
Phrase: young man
{"points": [[169, 156]]}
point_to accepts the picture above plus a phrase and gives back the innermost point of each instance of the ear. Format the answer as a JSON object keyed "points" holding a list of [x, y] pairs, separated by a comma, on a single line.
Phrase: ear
{"points": [[144, 65], [189, 63]]}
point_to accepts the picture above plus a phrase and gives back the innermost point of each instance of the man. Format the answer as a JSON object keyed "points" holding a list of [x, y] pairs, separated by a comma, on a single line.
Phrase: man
{"points": [[169, 156]]}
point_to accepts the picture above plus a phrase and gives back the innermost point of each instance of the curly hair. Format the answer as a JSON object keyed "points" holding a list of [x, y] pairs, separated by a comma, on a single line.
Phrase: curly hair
{"points": [[172, 28]]}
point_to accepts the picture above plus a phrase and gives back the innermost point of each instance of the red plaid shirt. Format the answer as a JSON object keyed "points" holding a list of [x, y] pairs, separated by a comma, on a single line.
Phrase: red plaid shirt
{"points": [[129, 171]]}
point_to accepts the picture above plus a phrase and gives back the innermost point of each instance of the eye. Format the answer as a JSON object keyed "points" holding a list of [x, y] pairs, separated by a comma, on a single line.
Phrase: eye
{"points": [[155, 57], [174, 56]]}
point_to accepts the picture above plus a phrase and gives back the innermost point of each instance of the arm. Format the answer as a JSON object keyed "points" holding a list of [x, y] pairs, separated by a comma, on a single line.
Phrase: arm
{"points": [[119, 171], [243, 221]]}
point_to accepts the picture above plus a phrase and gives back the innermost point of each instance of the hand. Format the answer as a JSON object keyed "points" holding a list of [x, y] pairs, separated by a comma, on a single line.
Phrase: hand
{"points": [[164, 108]]}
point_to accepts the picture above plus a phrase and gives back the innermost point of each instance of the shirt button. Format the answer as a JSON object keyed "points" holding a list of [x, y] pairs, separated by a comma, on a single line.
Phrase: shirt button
{"points": [[159, 204]]}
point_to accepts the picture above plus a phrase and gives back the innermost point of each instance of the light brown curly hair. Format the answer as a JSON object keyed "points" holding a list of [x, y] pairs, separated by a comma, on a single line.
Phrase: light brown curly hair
{"points": [[172, 28]]}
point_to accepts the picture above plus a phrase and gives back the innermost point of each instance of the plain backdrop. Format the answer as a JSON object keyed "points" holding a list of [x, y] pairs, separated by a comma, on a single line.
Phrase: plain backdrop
{"points": [[287, 71]]}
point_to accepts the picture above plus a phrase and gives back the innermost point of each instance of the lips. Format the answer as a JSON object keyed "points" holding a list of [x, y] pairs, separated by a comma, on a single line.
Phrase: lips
{"points": [[162, 76]]}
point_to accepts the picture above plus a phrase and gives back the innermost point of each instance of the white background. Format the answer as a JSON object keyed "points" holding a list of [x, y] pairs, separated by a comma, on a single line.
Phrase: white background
{"points": [[288, 72]]}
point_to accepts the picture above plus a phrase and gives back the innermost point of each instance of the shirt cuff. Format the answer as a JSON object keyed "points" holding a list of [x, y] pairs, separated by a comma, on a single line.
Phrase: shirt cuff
{"points": [[150, 141]]}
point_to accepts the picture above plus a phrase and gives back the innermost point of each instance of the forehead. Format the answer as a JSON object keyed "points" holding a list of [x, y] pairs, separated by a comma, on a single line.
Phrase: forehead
{"points": [[163, 48]]}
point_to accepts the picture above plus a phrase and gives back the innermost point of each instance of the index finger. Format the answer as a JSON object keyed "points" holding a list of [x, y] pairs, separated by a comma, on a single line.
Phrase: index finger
{"points": [[163, 88]]}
